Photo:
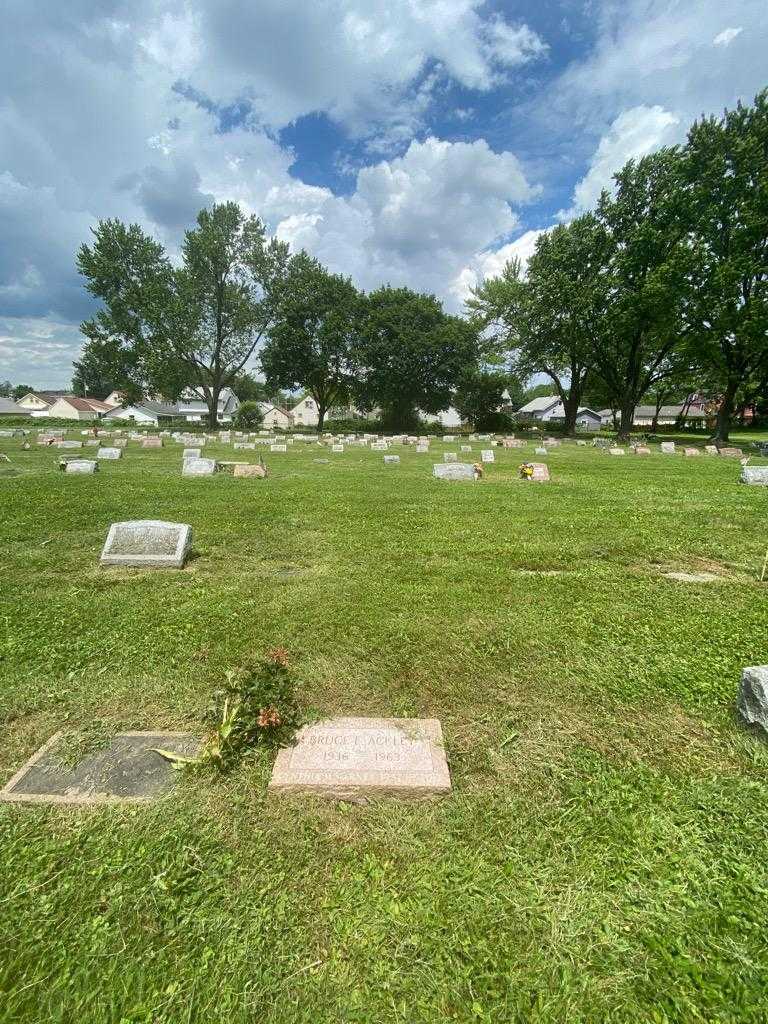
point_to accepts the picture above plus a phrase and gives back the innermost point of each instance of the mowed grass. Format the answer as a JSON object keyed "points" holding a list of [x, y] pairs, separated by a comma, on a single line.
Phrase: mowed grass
{"points": [[603, 854]]}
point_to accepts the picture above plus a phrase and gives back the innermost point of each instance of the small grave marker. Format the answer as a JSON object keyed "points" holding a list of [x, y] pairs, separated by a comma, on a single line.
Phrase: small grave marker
{"points": [[352, 758], [109, 453], [249, 471], [391, 460], [81, 466], [755, 475], [453, 471], [450, 457], [487, 455], [540, 472], [667, 447], [198, 467], [149, 543]]}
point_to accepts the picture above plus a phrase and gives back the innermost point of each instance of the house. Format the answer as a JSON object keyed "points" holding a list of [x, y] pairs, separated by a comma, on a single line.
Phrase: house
{"points": [[549, 409], [71, 408], [40, 403], [10, 408], [304, 413], [115, 398], [147, 412], [448, 418], [276, 418], [193, 408], [668, 415]]}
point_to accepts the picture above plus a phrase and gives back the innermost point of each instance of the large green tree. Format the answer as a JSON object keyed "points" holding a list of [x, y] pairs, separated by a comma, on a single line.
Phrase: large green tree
{"points": [[648, 267], [310, 345], [549, 319], [725, 174], [192, 325], [479, 396], [410, 355]]}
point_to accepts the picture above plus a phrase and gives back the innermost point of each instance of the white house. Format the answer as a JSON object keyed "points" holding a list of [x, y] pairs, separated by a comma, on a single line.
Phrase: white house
{"points": [[115, 398], [150, 413], [72, 408], [39, 403], [10, 408], [549, 409], [193, 408], [304, 413], [276, 418], [668, 415], [448, 418]]}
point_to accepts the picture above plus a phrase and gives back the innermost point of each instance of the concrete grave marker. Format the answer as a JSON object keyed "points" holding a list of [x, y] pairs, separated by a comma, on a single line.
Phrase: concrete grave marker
{"points": [[616, 451], [453, 471], [192, 453], [466, 447], [69, 444], [152, 442], [540, 451], [641, 449], [450, 457], [540, 472], [711, 449], [147, 542], [391, 460], [109, 453], [198, 467], [487, 455], [337, 448], [755, 475], [667, 447], [253, 471], [278, 447], [81, 466], [352, 758], [129, 769], [691, 452], [731, 453]]}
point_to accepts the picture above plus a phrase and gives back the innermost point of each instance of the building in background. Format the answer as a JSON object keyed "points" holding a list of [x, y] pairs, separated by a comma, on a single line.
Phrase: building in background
{"points": [[71, 408], [193, 408]]}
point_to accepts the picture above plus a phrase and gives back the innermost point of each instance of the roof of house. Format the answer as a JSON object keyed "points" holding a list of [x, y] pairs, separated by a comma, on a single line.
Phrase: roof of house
{"points": [[586, 408], [194, 396], [540, 404], [8, 406], [86, 404], [154, 408], [665, 412]]}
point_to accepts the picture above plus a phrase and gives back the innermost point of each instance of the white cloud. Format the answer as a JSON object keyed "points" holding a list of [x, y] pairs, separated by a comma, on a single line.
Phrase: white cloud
{"points": [[491, 263], [726, 37], [634, 134]]}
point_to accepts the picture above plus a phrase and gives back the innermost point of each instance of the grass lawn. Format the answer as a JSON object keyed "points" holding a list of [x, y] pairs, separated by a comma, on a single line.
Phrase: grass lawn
{"points": [[603, 856]]}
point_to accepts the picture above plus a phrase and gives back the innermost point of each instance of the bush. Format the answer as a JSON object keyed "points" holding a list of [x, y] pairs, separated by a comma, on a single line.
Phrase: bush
{"points": [[248, 416]]}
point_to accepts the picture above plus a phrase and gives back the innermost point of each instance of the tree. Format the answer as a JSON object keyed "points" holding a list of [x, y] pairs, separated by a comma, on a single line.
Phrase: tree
{"points": [[310, 345], [410, 355], [549, 319], [725, 173], [20, 390], [479, 396], [248, 416], [195, 325], [647, 274], [106, 366]]}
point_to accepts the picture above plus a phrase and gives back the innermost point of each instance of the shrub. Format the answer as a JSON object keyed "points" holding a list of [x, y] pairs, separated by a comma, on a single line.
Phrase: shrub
{"points": [[249, 416]]}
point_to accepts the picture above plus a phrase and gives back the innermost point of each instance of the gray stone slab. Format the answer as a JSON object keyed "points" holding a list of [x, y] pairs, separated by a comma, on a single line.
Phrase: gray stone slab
{"points": [[353, 758], [69, 444], [391, 460], [450, 457], [192, 453], [453, 471], [540, 473], [667, 447], [150, 543], [278, 447], [128, 769], [249, 471], [752, 701], [755, 475], [152, 442], [487, 455], [81, 466], [110, 454], [198, 467]]}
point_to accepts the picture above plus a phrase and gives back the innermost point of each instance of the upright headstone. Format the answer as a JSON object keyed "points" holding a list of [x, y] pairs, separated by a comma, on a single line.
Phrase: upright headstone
{"points": [[109, 453], [147, 542], [691, 452], [198, 467], [755, 475], [753, 696], [641, 449], [667, 447], [487, 455], [152, 442], [453, 471], [710, 449], [192, 453], [391, 460], [450, 457], [337, 448], [82, 466], [731, 453], [616, 451], [540, 472], [466, 447], [278, 447], [352, 758]]}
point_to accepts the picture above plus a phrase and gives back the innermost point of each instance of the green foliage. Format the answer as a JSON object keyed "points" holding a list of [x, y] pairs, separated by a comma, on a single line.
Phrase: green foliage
{"points": [[479, 396], [248, 416], [167, 328], [410, 355], [256, 708], [310, 345]]}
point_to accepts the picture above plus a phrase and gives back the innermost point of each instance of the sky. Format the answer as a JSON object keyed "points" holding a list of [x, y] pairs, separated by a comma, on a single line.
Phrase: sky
{"points": [[411, 142]]}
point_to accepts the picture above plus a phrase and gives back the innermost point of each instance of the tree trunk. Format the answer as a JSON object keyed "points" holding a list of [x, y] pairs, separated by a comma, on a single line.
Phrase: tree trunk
{"points": [[627, 421], [725, 412], [213, 408], [571, 410], [321, 411]]}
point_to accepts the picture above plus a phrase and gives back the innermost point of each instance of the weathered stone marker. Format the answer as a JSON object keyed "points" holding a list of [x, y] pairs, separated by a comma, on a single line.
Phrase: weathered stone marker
{"points": [[128, 769], [667, 447], [753, 696], [198, 467], [278, 447], [466, 447], [109, 453], [487, 455], [253, 471], [731, 453], [81, 466], [192, 453], [540, 473], [642, 449], [152, 442], [69, 444], [354, 758], [755, 475], [691, 452], [147, 542], [450, 457], [616, 451], [337, 448], [453, 471], [391, 460]]}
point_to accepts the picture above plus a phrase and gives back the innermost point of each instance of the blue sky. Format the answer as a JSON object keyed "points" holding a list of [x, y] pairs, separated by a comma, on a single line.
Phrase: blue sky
{"points": [[418, 142]]}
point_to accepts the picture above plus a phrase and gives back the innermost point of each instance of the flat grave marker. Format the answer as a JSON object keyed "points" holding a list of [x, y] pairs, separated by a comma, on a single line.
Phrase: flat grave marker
{"points": [[450, 457], [757, 476], [199, 467], [355, 758], [487, 455], [110, 454], [540, 473], [150, 543], [453, 471], [77, 466], [129, 769]]}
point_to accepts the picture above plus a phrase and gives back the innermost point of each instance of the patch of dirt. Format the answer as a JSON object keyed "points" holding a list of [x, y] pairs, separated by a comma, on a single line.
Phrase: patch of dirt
{"points": [[693, 577]]}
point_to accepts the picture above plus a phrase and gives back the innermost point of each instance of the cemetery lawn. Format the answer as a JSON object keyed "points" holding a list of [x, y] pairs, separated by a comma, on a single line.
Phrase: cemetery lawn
{"points": [[602, 857]]}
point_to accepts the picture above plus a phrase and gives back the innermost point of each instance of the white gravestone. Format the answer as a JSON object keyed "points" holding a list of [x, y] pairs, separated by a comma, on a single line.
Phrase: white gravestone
{"points": [[147, 542], [755, 475], [109, 453], [352, 758], [82, 466], [450, 457], [453, 471], [540, 451], [487, 455], [391, 460], [615, 451], [466, 447], [199, 467], [667, 447], [69, 444], [278, 447], [337, 448], [641, 449]]}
